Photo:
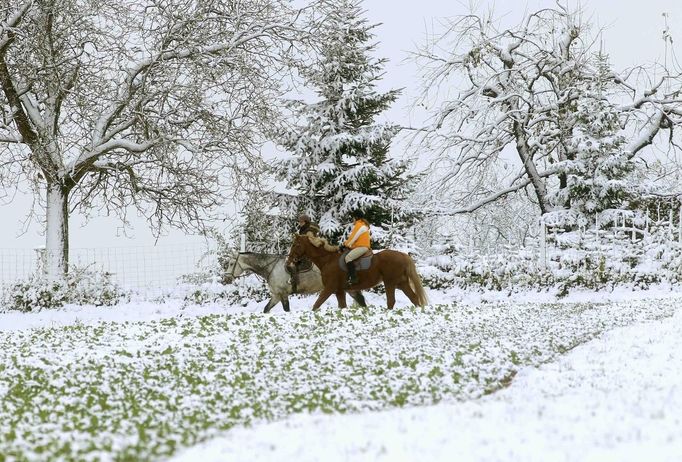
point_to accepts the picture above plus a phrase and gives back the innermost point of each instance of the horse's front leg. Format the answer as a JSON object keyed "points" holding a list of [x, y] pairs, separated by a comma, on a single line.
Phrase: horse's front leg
{"points": [[341, 298], [272, 302], [324, 295], [358, 297]]}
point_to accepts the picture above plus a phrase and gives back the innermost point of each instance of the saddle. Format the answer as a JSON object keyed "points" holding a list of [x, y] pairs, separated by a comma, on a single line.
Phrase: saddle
{"points": [[304, 266], [361, 263]]}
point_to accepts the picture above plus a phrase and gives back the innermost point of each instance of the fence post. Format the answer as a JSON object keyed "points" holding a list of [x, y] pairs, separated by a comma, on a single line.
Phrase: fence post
{"points": [[614, 238], [543, 243], [40, 260], [679, 226], [633, 234], [658, 212]]}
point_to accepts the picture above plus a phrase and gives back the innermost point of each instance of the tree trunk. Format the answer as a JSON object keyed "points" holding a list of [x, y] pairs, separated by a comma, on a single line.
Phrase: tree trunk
{"points": [[528, 164], [57, 232]]}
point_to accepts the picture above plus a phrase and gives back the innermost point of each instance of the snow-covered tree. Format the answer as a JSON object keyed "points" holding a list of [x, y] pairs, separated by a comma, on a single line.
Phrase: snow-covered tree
{"points": [[118, 103], [340, 158], [523, 118], [266, 229], [598, 175]]}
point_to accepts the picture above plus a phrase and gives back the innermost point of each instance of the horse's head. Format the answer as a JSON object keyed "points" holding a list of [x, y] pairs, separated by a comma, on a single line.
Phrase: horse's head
{"points": [[232, 266], [298, 250]]}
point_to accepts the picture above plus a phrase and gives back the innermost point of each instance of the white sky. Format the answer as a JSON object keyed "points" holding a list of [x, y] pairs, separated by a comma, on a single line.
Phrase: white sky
{"points": [[633, 31]]}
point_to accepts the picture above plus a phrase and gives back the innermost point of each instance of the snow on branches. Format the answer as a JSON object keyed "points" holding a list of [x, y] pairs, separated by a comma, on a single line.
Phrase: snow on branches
{"points": [[539, 110], [340, 160], [118, 103]]}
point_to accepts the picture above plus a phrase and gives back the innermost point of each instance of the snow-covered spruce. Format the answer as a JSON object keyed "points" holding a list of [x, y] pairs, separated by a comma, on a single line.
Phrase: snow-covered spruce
{"points": [[339, 154]]}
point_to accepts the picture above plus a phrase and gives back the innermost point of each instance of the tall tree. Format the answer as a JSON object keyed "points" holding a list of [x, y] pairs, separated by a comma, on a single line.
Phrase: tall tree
{"points": [[340, 155], [522, 105], [118, 103]]}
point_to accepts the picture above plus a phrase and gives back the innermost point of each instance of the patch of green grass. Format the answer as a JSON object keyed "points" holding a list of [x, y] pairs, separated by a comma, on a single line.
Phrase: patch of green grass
{"points": [[141, 391]]}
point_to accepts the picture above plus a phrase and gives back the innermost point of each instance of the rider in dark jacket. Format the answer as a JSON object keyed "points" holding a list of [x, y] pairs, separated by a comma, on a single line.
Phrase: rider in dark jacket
{"points": [[305, 226]]}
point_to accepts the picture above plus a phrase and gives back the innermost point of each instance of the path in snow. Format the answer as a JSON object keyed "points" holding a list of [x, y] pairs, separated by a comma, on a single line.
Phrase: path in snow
{"points": [[616, 398]]}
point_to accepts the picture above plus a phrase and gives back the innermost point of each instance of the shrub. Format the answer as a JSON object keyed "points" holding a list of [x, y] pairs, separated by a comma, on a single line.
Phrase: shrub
{"points": [[572, 262], [205, 288], [80, 286]]}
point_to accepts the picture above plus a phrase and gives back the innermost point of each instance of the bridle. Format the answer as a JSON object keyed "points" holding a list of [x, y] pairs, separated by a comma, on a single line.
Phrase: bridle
{"points": [[291, 260], [270, 267], [234, 267]]}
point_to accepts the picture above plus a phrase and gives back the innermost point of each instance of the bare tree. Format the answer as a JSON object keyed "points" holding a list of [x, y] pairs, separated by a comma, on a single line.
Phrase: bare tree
{"points": [[119, 103], [510, 126]]}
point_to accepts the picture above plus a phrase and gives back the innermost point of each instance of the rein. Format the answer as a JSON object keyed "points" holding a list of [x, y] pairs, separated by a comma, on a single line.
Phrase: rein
{"points": [[321, 250], [269, 267], [234, 267]]}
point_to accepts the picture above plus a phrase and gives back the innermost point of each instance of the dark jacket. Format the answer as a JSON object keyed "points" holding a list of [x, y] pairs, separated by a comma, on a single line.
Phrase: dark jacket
{"points": [[309, 228]]}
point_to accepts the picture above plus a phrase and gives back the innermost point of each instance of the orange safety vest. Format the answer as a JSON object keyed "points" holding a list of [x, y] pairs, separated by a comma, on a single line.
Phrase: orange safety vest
{"points": [[363, 239]]}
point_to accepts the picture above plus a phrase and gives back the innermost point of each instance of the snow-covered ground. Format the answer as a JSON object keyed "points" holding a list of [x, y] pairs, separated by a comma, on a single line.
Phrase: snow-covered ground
{"points": [[148, 310], [615, 398], [143, 380]]}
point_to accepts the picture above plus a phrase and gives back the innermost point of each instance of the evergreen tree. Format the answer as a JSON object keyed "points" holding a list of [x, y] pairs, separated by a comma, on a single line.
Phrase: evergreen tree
{"points": [[340, 160], [265, 229], [600, 176]]}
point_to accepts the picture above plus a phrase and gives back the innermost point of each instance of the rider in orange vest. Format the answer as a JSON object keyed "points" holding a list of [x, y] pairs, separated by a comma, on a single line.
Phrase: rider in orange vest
{"points": [[359, 243]]}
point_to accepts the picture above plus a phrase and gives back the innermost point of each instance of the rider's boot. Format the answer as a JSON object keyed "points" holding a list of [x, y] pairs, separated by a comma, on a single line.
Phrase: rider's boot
{"points": [[293, 278], [352, 275]]}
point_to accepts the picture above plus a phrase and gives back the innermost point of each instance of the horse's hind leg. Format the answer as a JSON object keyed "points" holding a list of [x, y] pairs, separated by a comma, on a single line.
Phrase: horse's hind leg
{"points": [[407, 290], [285, 304], [390, 296]]}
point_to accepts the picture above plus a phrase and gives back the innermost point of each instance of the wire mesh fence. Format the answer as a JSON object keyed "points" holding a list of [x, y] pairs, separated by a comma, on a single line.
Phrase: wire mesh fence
{"points": [[135, 267], [160, 267]]}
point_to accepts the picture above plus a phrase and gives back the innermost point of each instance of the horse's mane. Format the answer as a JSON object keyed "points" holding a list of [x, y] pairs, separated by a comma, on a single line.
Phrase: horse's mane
{"points": [[318, 241]]}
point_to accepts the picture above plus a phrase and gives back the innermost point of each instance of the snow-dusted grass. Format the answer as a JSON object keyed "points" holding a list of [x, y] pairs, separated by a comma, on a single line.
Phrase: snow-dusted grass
{"points": [[615, 398], [140, 391]]}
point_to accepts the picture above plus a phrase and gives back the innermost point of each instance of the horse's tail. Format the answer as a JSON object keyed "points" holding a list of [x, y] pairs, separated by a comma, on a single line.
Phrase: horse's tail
{"points": [[416, 283]]}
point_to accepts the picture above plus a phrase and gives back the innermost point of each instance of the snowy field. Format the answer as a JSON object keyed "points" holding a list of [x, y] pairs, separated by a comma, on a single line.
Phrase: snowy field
{"points": [[615, 398], [532, 151], [146, 381]]}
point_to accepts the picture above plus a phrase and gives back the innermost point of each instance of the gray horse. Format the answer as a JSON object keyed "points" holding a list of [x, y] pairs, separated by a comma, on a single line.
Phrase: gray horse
{"points": [[272, 268]]}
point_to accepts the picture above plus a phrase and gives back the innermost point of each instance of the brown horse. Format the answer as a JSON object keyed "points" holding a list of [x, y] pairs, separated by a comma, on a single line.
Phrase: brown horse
{"points": [[394, 269]]}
